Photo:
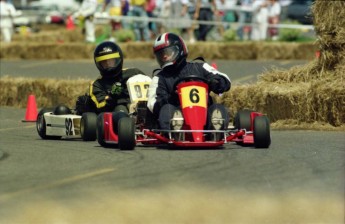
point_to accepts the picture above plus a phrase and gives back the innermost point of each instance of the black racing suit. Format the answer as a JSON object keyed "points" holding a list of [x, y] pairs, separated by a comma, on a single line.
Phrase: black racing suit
{"points": [[162, 89], [100, 91]]}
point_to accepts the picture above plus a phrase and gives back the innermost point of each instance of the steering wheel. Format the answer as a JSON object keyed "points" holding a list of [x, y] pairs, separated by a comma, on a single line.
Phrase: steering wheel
{"points": [[190, 78]]}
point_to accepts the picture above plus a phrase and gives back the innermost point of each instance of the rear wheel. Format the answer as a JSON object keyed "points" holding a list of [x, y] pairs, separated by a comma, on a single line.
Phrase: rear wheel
{"points": [[126, 133], [242, 120], [41, 124], [88, 126], [262, 137]]}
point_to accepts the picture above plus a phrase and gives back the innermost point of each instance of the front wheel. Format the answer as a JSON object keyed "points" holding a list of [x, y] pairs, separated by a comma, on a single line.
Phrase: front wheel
{"points": [[126, 133], [100, 130], [261, 132], [88, 126]]}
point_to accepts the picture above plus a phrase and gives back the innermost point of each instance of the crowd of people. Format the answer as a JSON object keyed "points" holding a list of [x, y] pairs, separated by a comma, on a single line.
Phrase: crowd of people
{"points": [[190, 18]]}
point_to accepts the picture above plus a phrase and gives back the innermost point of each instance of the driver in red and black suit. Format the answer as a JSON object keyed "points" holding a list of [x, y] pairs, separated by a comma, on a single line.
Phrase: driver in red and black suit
{"points": [[171, 54]]}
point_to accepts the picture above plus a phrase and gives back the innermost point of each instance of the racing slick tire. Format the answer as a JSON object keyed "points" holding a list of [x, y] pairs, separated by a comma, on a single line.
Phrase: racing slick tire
{"points": [[116, 116], [261, 132], [41, 124], [242, 120], [88, 126], [126, 133], [100, 130]]}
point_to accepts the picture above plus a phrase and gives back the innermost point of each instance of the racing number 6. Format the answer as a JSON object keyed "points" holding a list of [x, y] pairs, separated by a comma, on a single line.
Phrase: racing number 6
{"points": [[194, 96]]}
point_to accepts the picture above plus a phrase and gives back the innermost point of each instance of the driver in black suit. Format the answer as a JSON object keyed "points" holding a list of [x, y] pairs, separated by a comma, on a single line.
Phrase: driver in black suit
{"points": [[171, 54]]}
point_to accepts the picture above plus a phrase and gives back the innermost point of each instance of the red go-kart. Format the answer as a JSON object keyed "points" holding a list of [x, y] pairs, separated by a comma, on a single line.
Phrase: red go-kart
{"points": [[250, 127]]}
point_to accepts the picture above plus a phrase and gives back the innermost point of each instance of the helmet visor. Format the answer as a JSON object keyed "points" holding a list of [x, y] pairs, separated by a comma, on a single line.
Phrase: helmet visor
{"points": [[167, 56], [108, 61]]}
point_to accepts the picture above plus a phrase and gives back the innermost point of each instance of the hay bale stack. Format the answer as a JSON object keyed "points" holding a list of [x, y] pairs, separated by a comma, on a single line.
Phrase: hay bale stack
{"points": [[304, 102], [47, 50], [48, 92], [330, 27], [52, 36], [229, 51]]}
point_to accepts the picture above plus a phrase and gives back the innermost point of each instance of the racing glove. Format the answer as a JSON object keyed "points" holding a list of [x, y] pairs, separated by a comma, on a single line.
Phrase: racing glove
{"points": [[84, 104], [116, 89], [217, 84]]}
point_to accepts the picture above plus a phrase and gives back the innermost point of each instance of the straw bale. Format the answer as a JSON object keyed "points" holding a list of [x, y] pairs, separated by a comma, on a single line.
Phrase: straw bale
{"points": [[329, 25], [295, 74], [48, 92], [53, 49], [280, 51], [306, 102], [328, 18], [46, 51], [137, 50], [230, 51], [54, 34], [51, 36]]}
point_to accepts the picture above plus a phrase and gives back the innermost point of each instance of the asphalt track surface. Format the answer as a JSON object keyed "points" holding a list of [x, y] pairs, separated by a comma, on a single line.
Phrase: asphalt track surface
{"points": [[308, 165]]}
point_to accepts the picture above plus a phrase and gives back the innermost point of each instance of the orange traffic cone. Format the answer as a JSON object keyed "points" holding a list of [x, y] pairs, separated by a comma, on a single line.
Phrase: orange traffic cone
{"points": [[70, 23], [31, 110], [214, 65]]}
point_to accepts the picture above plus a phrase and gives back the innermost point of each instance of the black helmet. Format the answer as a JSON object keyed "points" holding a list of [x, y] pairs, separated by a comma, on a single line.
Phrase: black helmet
{"points": [[108, 59], [61, 110], [170, 49]]}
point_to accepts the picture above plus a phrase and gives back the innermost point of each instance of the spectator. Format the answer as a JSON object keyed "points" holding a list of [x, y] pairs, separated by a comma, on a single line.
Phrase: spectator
{"points": [[224, 14], [86, 14], [187, 7], [150, 7], [284, 8], [141, 28], [260, 20], [7, 12], [115, 9], [274, 11], [180, 18], [244, 16], [164, 14], [125, 6], [204, 11]]}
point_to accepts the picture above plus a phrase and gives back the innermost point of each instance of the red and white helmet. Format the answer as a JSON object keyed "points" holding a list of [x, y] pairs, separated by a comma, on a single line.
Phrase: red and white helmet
{"points": [[170, 50]]}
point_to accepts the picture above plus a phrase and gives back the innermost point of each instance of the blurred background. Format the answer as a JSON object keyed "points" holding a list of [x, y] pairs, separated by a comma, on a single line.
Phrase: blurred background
{"points": [[295, 20]]}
